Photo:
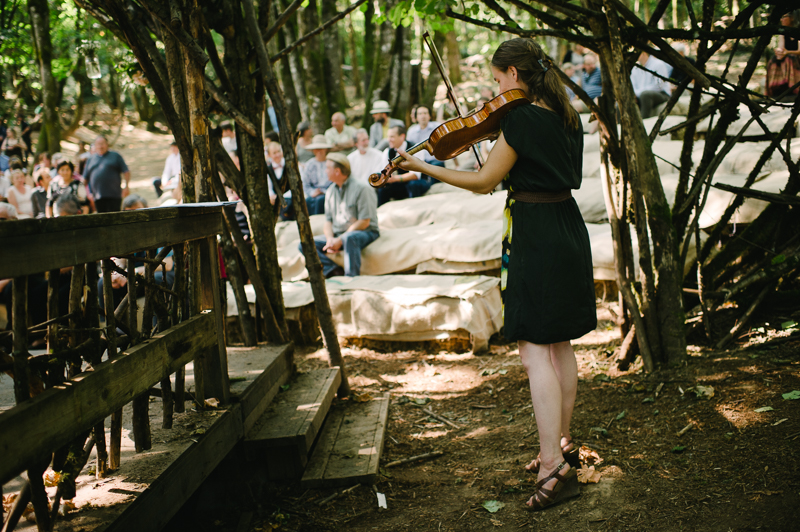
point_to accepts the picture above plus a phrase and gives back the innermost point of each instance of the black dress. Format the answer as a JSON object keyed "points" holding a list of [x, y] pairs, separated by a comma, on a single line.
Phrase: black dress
{"points": [[546, 279]]}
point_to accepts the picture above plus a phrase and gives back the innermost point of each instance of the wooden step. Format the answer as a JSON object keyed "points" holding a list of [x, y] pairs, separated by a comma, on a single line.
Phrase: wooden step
{"points": [[350, 445], [283, 436]]}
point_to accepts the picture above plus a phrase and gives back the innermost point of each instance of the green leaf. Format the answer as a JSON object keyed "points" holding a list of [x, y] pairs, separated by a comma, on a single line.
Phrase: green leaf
{"points": [[648, 400], [285, 387], [791, 324], [493, 506], [621, 414], [764, 409], [793, 395], [678, 449], [601, 377], [503, 371], [777, 260], [601, 430], [422, 400]]}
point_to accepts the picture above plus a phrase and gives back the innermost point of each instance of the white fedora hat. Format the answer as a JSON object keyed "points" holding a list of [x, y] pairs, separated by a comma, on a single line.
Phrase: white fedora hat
{"points": [[318, 142], [380, 106]]}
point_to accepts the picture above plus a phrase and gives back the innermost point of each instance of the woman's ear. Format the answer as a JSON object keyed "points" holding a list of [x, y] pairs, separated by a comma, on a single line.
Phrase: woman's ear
{"points": [[513, 71]]}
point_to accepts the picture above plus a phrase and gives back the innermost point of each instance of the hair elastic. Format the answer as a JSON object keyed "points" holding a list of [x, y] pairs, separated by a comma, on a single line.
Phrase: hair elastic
{"points": [[545, 68]]}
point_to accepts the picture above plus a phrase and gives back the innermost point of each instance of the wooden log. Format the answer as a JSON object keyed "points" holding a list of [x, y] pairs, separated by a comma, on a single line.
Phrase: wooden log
{"points": [[55, 417], [75, 323], [53, 278], [194, 284], [46, 244], [93, 319], [141, 404], [19, 315], [178, 311], [217, 360], [313, 264], [115, 438], [41, 504]]}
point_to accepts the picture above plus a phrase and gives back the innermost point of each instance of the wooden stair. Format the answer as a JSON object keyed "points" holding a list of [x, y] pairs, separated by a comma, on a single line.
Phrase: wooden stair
{"points": [[285, 433], [350, 445]]}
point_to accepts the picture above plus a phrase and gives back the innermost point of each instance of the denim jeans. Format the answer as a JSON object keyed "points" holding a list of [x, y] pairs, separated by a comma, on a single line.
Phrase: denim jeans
{"points": [[352, 244], [316, 205]]}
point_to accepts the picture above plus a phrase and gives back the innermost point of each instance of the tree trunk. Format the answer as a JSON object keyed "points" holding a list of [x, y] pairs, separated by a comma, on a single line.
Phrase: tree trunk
{"points": [[381, 62], [453, 58], [146, 110], [399, 89], [286, 76], [292, 72], [253, 168], [332, 60], [434, 76], [370, 36], [351, 40], [40, 24], [319, 112]]}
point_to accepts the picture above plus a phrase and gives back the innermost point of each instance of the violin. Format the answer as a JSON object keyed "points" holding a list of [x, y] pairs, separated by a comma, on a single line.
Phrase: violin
{"points": [[459, 134]]}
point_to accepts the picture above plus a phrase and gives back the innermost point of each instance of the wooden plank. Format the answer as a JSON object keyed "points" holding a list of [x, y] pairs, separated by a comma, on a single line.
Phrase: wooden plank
{"points": [[153, 509], [258, 395], [217, 384], [57, 416], [284, 434], [53, 246], [350, 445]]}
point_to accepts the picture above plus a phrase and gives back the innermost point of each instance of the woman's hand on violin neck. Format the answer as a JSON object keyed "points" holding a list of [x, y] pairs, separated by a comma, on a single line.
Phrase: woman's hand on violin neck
{"points": [[411, 163]]}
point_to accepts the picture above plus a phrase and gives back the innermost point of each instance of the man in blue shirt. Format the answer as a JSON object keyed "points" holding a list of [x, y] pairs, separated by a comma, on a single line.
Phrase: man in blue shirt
{"points": [[104, 173], [651, 90], [592, 82]]}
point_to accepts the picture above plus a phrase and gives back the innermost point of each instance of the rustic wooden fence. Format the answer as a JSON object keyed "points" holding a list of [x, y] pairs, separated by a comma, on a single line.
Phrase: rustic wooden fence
{"points": [[90, 371]]}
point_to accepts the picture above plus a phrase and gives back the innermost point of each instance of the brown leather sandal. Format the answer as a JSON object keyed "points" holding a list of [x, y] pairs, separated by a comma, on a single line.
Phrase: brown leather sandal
{"points": [[544, 498], [570, 455]]}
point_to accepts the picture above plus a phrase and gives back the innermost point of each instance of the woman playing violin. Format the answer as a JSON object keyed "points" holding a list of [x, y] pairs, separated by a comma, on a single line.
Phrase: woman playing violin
{"points": [[546, 279]]}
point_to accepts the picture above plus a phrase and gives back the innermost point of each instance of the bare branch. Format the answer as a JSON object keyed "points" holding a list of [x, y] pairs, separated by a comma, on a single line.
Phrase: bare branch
{"points": [[231, 109], [573, 18], [588, 42], [161, 12], [272, 30], [322, 28]]}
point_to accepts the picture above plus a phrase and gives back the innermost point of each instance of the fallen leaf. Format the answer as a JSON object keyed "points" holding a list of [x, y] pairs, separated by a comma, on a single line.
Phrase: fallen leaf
{"points": [[361, 397], [601, 430], [198, 432], [794, 394], [589, 456], [493, 506], [621, 414], [678, 449], [52, 478], [764, 409], [503, 371], [601, 377], [780, 421], [704, 391], [648, 400], [588, 475], [422, 400], [791, 324], [495, 522]]}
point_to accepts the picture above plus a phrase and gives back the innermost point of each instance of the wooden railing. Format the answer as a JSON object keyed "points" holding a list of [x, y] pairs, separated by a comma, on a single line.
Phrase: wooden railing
{"points": [[91, 371]]}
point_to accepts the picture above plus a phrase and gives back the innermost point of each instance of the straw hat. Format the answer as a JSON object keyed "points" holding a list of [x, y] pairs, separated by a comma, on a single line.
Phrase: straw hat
{"points": [[380, 106], [318, 142], [340, 159]]}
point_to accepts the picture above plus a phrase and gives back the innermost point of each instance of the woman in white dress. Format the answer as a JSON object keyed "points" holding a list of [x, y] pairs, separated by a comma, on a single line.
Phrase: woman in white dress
{"points": [[19, 195]]}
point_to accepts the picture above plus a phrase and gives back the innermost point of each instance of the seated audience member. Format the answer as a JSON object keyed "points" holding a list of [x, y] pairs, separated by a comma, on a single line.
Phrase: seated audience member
{"points": [[7, 212], [677, 74], [651, 91], [340, 135], [134, 202], [43, 161], [66, 205], [172, 170], [591, 82], [351, 219], [228, 138], [569, 70], [66, 183], [277, 162], [315, 178], [19, 195], [783, 70], [272, 136], [13, 146], [304, 138], [401, 184], [421, 131], [365, 160], [379, 131], [41, 190], [5, 184]]}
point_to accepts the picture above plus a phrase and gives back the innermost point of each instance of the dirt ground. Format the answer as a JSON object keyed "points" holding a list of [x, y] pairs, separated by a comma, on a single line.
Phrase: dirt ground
{"points": [[733, 469]]}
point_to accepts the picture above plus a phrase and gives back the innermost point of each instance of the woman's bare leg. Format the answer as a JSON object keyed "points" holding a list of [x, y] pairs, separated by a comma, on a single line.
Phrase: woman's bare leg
{"points": [[566, 367], [547, 405]]}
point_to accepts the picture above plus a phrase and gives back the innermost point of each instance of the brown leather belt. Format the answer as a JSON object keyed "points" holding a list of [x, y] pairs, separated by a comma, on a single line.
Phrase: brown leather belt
{"points": [[541, 197]]}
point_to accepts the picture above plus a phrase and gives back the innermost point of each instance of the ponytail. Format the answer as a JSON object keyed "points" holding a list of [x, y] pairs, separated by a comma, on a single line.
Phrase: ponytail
{"points": [[536, 71]]}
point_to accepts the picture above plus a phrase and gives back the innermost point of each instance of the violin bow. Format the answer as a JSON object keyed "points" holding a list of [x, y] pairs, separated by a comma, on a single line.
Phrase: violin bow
{"points": [[437, 59]]}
